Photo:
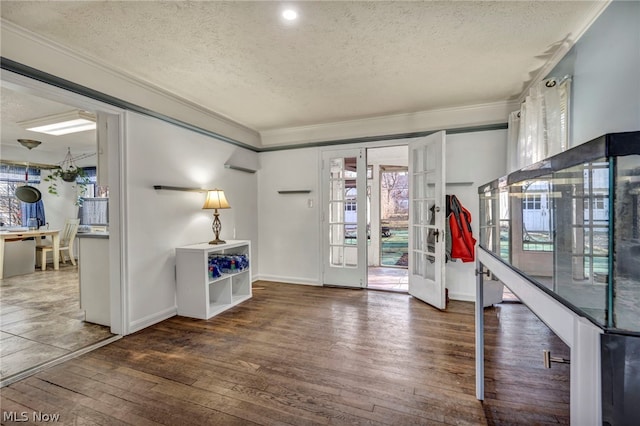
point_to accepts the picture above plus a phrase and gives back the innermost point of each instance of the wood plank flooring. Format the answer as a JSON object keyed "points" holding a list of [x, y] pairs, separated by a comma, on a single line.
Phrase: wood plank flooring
{"points": [[303, 355], [41, 320]]}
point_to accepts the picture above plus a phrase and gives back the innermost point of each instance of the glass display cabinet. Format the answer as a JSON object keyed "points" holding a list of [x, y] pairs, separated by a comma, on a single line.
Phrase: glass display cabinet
{"points": [[571, 225]]}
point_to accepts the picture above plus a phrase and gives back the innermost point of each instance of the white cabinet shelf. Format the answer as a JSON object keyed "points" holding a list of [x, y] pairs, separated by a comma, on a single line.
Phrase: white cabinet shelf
{"points": [[198, 296]]}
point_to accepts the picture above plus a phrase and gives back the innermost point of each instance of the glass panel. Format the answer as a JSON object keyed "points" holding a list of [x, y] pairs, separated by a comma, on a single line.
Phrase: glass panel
{"points": [[418, 187], [336, 256], [336, 212], [430, 267], [336, 234], [626, 268], [336, 190], [420, 212], [337, 168], [430, 188], [505, 224], [418, 160], [418, 242], [351, 256], [351, 234], [418, 266], [343, 214], [430, 158], [536, 216]]}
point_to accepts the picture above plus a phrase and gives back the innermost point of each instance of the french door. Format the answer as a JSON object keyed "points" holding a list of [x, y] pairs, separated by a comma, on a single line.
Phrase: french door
{"points": [[344, 218], [427, 215]]}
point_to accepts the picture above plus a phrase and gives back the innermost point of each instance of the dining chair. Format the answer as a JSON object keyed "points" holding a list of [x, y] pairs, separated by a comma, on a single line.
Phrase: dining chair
{"points": [[67, 237]]}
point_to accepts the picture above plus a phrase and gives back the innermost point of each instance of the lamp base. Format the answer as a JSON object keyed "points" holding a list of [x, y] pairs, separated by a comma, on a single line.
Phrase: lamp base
{"points": [[217, 241]]}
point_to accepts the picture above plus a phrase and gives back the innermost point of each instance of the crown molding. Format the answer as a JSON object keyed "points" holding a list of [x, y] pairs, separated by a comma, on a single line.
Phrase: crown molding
{"points": [[34, 51], [423, 121], [565, 47]]}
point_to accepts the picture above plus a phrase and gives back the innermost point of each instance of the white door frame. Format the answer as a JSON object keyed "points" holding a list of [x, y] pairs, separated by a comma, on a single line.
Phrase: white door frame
{"points": [[119, 286]]}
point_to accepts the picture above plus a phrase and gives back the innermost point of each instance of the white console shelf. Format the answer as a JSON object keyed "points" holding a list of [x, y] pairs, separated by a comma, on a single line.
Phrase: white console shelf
{"points": [[201, 297]]}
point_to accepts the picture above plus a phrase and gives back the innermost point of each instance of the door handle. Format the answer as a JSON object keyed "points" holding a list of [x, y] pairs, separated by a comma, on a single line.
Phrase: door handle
{"points": [[436, 233]]}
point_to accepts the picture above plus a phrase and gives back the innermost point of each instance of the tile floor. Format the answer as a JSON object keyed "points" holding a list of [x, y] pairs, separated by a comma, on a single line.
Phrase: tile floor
{"points": [[41, 320]]}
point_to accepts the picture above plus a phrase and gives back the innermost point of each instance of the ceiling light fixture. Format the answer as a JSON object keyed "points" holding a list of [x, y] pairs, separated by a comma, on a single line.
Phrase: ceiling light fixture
{"points": [[29, 143], [290, 14], [61, 124]]}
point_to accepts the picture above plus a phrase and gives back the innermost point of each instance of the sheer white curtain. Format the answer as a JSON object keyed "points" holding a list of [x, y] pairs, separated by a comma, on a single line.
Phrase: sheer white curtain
{"points": [[541, 128]]}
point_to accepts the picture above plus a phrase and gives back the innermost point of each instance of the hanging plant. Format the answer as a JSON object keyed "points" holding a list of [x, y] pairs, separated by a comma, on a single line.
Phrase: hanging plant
{"points": [[68, 172]]}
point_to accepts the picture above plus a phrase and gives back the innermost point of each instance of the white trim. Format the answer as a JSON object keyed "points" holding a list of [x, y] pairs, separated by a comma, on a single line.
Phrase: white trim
{"points": [[438, 119], [287, 280], [118, 271], [597, 9], [463, 297], [586, 374], [152, 319], [33, 50]]}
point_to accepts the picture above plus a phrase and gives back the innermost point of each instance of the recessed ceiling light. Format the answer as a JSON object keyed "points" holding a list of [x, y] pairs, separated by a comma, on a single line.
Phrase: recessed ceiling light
{"points": [[290, 14], [61, 124]]}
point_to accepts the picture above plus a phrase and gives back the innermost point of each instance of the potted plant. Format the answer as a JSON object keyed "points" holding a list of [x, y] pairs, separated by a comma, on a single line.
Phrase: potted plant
{"points": [[68, 172], [75, 175]]}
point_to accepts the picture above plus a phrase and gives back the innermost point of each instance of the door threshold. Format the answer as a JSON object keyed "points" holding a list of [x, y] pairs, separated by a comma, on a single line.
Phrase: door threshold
{"points": [[38, 368], [343, 286]]}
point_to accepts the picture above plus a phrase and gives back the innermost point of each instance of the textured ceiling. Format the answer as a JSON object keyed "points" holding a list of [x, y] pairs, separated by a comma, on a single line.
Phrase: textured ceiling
{"points": [[15, 107], [339, 61]]}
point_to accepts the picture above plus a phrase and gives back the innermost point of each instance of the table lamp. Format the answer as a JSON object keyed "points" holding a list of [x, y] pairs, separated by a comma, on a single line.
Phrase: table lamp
{"points": [[216, 200]]}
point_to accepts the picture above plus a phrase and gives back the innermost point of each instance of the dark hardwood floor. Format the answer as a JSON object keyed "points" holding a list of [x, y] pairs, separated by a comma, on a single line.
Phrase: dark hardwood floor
{"points": [[305, 355]]}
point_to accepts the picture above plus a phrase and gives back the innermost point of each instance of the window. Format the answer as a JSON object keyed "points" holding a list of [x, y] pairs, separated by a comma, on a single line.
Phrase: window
{"points": [[10, 178], [350, 206], [91, 187], [532, 202]]}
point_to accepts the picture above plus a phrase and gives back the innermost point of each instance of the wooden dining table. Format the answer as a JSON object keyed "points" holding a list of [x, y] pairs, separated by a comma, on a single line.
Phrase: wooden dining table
{"points": [[21, 235]]}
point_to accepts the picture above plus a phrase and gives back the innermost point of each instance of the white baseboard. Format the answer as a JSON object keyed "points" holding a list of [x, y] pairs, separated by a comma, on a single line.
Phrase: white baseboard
{"points": [[463, 297], [287, 280], [145, 322]]}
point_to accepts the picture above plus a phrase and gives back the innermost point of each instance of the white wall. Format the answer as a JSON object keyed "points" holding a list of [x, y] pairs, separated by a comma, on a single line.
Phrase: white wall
{"points": [[158, 153], [289, 229], [478, 158], [605, 65]]}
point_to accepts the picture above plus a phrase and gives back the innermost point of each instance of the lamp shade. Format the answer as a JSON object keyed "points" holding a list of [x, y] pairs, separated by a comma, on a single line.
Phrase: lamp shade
{"points": [[216, 200]]}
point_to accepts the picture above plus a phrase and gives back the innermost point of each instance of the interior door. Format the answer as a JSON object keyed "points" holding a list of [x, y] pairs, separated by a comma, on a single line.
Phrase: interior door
{"points": [[344, 219], [427, 219]]}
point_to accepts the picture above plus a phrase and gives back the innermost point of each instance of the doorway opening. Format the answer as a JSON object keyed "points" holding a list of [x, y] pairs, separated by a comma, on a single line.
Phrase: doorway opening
{"points": [[43, 309], [388, 218]]}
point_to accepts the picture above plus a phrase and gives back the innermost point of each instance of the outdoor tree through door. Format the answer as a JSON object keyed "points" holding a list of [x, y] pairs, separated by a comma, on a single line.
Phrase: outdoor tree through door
{"points": [[427, 211]]}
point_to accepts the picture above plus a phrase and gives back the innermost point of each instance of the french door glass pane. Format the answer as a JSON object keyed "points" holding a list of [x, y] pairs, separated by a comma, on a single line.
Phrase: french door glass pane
{"points": [[337, 168], [430, 267], [336, 234], [351, 256], [336, 257], [417, 263], [343, 212], [336, 212]]}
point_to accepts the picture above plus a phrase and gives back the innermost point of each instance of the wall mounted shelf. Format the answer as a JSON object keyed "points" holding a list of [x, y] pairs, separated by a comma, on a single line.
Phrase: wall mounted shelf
{"points": [[178, 188], [242, 169], [295, 191]]}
